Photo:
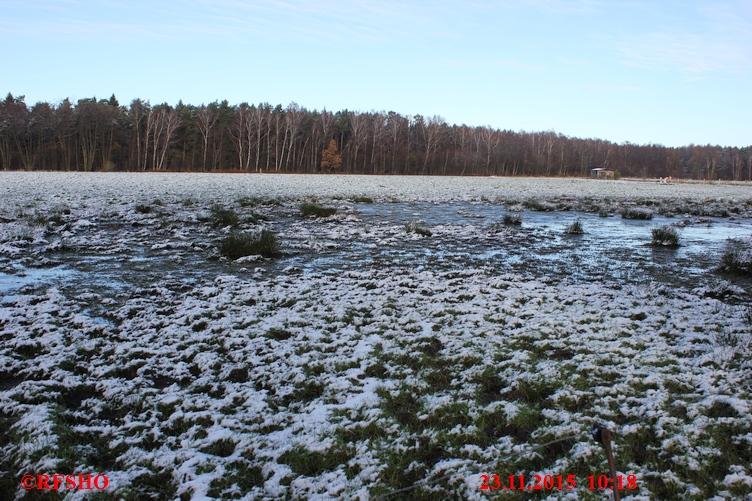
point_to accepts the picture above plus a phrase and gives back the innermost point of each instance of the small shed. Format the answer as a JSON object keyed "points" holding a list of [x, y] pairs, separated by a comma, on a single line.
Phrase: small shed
{"points": [[601, 173]]}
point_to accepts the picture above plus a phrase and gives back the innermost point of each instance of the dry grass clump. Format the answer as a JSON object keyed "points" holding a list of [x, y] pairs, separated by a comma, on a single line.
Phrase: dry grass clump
{"points": [[575, 228], [362, 199], [512, 220], [634, 213], [737, 258], [665, 235], [222, 217], [537, 205], [418, 228], [237, 245], [312, 209]]}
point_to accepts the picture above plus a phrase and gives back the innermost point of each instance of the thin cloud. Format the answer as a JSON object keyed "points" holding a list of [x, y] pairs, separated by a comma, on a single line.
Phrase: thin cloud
{"points": [[327, 21], [490, 63], [611, 88], [558, 6], [720, 43], [687, 53], [124, 32], [356, 21]]}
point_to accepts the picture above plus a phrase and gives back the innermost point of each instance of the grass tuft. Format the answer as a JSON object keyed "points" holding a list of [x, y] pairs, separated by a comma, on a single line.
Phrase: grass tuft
{"points": [[311, 209], [40, 220], [737, 258], [665, 235], [161, 484], [362, 199], [310, 464], [278, 334], [239, 478], [537, 205], [418, 228], [237, 245], [512, 219], [222, 217], [634, 213], [255, 217], [575, 228], [222, 448]]}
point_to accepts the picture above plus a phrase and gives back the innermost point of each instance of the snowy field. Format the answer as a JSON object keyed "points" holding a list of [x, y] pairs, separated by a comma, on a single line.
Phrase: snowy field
{"points": [[398, 349], [22, 187]]}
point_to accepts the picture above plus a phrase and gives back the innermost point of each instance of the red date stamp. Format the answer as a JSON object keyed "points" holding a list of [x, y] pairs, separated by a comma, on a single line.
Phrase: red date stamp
{"points": [[555, 483]]}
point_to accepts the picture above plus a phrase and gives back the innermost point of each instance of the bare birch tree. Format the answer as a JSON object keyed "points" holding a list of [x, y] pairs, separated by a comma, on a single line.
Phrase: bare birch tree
{"points": [[171, 121], [294, 116], [206, 119]]}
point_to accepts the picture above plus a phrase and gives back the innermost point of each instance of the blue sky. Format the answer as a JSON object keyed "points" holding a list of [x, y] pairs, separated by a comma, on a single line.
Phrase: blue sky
{"points": [[662, 71]]}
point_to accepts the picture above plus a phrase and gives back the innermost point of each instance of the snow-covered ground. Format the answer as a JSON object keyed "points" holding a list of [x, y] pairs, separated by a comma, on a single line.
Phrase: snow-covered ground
{"points": [[129, 348], [25, 186]]}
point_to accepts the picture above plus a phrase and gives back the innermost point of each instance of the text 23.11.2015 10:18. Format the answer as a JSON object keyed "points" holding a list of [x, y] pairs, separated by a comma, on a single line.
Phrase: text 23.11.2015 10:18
{"points": [[556, 482]]}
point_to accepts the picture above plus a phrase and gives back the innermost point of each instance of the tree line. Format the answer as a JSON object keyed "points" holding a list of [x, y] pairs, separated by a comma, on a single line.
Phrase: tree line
{"points": [[102, 135]]}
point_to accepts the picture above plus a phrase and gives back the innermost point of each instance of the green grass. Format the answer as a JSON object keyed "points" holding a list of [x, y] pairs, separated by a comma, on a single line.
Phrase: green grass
{"points": [[162, 484], [665, 235], [278, 334], [221, 217], [418, 228], [489, 386], [410, 465], [222, 448], [404, 407], [309, 392], [575, 228], [240, 474], [314, 210], [309, 463], [237, 245]]}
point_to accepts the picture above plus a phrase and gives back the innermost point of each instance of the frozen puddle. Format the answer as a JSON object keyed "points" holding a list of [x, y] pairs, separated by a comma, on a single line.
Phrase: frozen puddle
{"points": [[22, 277], [374, 235]]}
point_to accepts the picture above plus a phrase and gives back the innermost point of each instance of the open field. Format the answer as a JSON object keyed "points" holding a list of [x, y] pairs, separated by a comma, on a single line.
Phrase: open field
{"points": [[23, 185], [415, 338]]}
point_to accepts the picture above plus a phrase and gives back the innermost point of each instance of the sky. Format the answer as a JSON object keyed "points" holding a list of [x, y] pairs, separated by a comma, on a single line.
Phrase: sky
{"points": [[662, 71]]}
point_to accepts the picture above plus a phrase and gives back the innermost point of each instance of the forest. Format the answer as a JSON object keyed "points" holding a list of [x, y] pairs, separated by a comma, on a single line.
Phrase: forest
{"points": [[102, 135]]}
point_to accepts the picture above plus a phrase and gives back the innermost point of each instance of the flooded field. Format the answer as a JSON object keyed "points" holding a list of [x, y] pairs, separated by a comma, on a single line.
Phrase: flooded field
{"points": [[112, 253], [430, 331]]}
